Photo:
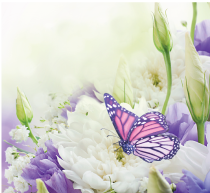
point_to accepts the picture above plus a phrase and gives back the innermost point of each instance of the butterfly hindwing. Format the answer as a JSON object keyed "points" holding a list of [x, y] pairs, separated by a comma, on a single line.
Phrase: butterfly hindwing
{"points": [[156, 148], [122, 119], [152, 123]]}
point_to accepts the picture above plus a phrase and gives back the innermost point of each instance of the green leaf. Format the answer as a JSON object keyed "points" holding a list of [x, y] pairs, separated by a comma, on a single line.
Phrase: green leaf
{"points": [[41, 186], [123, 91], [21, 150]]}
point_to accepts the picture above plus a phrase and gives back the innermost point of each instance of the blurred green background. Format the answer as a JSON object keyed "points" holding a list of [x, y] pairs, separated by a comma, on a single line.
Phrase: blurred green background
{"points": [[49, 47]]}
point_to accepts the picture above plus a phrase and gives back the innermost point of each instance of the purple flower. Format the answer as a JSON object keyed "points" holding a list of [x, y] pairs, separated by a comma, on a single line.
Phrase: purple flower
{"points": [[87, 90], [202, 38], [46, 167], [181, 124], [194, 184]]}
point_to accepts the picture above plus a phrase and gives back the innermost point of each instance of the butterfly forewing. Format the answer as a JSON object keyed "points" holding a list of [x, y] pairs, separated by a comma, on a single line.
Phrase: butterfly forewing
{"points": [[152, 123], [122, 119], [156, 148]]}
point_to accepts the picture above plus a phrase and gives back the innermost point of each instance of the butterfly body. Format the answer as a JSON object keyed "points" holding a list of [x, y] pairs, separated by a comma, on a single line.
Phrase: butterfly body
{"points": [[126, 146], [143, 136]]}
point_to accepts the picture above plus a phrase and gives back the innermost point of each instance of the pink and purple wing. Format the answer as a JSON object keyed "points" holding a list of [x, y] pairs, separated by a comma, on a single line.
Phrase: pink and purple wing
{"points": [[152, 123], [122, 119], [156, 148]]}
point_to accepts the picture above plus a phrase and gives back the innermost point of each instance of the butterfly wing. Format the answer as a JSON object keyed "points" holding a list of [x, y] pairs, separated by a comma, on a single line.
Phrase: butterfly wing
{"points": [[152, 123], [122, 119], [156, 148]]}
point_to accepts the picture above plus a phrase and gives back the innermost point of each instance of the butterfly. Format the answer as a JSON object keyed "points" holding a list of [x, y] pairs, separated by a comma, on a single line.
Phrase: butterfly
{"points": [[143, 136]]}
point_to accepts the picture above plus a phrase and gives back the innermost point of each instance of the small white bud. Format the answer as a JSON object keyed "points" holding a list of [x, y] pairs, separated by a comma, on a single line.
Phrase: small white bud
{"points": [[195, 84], [157, 183], [123, 91], [41, 186]]}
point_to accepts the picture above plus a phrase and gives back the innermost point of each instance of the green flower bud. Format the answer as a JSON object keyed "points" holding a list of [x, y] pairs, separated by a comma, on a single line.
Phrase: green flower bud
{"points": [[195, 85], [161, 33], [157, 183], [123, 91], [41, 186], [184, 23], [23, 108]]}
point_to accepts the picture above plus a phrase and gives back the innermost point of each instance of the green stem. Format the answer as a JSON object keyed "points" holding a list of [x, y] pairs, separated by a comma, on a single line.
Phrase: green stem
{"points": [[31, 134], [192, 31], [167, 60], [200, 130]]}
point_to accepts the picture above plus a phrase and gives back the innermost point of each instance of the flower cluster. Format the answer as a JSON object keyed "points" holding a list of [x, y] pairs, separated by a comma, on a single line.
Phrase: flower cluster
{"points": [[149, 134]]}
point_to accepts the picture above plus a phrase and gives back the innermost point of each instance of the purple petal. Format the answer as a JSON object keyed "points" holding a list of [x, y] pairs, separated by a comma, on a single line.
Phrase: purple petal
{"points": [[207, 182], [64, 113], [181, 188], [202, 37], [181, 124], [193, 184]]}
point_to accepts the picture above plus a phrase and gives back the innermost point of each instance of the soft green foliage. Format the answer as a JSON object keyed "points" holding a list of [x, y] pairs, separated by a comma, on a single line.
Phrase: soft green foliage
{"points": [[23, 108], [123, 91], [41, 186]]}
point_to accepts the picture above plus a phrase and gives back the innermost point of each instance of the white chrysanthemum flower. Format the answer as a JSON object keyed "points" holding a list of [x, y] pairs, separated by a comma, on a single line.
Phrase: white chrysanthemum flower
{"points": [[10, 154], [9, 190], [20, 184], [148, 74], [20, 133], [88, 155], [143, 185]]}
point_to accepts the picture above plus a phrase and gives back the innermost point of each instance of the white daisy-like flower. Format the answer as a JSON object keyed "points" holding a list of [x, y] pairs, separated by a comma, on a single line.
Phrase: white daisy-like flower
{"points": [[10, 154], [20, 133], [88, 155], [9, 190], [20, 184]]}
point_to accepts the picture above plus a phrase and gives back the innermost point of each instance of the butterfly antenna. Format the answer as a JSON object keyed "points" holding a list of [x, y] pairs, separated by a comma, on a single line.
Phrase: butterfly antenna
{"points": [[115, 143], [108, 130], [117, 149], [113, 136]]}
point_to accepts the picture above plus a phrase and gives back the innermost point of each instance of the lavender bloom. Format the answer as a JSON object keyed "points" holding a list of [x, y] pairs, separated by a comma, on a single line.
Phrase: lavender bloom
{"points": [[194, 184], [202, 38], [87, 90], [181, 124], [45, 167]]}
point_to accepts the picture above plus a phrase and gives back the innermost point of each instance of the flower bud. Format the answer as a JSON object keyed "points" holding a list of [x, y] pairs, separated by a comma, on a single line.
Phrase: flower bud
{"points": [[41, 186], [157, 183], [195, 85], [123, 91], [161, 33], [23, 108]]}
